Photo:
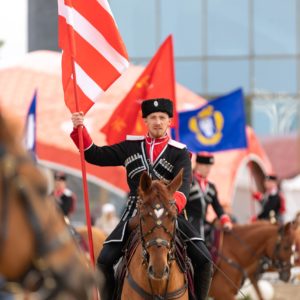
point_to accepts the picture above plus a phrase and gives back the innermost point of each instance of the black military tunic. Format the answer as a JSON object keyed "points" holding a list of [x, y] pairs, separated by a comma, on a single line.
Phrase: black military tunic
{"points": [[198, 202], [270, 202], [132, 155]]}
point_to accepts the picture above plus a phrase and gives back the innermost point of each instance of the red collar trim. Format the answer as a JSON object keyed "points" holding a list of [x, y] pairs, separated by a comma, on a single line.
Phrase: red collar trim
{"points": [[199, 177], [150, 140]]}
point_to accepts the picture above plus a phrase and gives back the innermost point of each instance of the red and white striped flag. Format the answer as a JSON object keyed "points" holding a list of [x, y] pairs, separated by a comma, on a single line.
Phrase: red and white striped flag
{"points": [[92, 47]]}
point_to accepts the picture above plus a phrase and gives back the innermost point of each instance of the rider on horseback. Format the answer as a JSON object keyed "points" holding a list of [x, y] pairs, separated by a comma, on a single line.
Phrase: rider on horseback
{"points": [[202, 194], [162, 158], [272, 201]]}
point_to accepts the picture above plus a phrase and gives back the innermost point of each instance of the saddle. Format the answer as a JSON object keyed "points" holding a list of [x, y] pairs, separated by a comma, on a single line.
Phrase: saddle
{"points": [[129, 249]]}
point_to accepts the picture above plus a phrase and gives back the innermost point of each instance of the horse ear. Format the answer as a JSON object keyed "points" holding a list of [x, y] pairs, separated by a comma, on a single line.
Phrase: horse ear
{"points": [[10, 132], [145, 182], [176, 182], [289, 227]]}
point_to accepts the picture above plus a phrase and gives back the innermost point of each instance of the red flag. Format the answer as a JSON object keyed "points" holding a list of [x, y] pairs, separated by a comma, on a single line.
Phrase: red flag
{"points": [[92, 49], [156, 81]]}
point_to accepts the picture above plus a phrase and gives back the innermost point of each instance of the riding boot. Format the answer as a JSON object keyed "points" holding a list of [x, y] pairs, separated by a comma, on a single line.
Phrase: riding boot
{"points": [[202, 280], [107, 282]]}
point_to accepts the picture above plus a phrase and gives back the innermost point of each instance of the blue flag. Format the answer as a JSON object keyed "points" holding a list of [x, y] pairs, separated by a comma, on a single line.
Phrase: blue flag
{"points": [[217, 126], [30, 127]]}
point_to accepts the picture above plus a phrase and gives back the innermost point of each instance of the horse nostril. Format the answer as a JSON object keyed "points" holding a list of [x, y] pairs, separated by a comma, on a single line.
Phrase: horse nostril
{"points": [[284, 276], [150, 270], [166, 270]]}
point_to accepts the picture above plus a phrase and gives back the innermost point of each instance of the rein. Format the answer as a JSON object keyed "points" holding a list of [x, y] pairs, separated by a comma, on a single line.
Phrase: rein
{"points": [[265, 262]]}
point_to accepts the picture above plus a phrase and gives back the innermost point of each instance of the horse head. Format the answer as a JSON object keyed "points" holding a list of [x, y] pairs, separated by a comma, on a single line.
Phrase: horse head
{"points": [[157, 223], [282, 252], [36, 246]]}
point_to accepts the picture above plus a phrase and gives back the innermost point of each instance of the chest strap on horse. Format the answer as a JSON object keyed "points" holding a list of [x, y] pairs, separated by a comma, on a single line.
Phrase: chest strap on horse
{"points": [[235, 265], [147, 296]]}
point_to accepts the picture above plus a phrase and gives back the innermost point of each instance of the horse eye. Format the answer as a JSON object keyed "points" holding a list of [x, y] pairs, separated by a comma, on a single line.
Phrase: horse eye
{"points": [[41, 190]]}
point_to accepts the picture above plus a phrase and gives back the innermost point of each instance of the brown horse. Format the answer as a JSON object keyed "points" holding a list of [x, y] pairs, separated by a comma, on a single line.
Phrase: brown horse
{"points": [[98, 240], [153, 272], [250, 250], [37, 250], [297, 238]]}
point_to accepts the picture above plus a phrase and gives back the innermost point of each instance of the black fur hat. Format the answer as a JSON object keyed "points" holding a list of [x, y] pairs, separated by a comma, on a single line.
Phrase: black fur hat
{"points": [[157, 105], [205, 158], [59, 175], [271, 177]]}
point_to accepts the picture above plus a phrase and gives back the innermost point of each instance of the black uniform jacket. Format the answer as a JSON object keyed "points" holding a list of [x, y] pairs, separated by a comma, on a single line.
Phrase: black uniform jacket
{"points": [[198, 202], [270, 202], [132, 155]]}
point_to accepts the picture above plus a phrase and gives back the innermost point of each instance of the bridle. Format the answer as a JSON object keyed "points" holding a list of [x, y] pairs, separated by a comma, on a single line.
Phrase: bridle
{"points": [[158, 212], [158, 221], [275, 260], [265, 262], [39, 271]]}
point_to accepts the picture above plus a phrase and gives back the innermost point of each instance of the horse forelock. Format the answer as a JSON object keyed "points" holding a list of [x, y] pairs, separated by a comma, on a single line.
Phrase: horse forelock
{"points": [[157, 193]]}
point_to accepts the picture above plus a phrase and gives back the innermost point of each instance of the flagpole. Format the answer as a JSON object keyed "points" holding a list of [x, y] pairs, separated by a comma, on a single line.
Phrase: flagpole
{"points": [[81, 151], [250, 167], [174, 91]]}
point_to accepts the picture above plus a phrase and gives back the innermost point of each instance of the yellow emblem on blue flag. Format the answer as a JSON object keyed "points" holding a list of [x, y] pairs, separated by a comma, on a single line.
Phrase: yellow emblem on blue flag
{"points": [[207, 126]]}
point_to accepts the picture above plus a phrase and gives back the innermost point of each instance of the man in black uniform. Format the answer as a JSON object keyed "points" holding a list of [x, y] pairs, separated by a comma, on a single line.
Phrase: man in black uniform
{"points": [[64, 197], [202, 194], [162, 158], [272, 201]]}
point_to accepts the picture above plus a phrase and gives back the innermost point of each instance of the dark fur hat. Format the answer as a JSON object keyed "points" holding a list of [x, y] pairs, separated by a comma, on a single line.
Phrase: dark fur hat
{"points": [[205, 158], [59, 175], [271, 177], [157, 105]]}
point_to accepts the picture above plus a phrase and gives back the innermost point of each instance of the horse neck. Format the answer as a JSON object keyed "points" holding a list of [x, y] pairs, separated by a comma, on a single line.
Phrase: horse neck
{"points": [[257, 242], [16, 254], [138, 271]]}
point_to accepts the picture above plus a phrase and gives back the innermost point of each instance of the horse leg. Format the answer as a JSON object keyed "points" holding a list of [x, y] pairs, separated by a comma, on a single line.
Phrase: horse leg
{"points": [[256, 287], [221, 289]]}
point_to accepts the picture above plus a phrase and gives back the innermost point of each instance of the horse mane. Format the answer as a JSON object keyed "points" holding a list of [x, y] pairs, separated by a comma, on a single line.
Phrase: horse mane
{"points": [[256, 225]]}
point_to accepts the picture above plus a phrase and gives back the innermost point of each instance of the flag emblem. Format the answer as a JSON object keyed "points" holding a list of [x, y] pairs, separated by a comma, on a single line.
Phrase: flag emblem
{"points": [[207, 126]]}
